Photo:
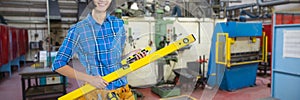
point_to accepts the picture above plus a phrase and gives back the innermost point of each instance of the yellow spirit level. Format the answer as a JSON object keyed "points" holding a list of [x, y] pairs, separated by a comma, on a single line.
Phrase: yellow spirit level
{"points": [[131, 67]]}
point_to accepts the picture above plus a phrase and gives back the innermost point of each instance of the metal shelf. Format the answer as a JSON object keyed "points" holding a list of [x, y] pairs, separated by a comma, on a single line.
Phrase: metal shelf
{"points": [[44, 90]]}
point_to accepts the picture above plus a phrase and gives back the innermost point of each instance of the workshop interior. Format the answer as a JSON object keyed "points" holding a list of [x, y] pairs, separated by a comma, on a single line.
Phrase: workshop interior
{"points": [[196, 49]]}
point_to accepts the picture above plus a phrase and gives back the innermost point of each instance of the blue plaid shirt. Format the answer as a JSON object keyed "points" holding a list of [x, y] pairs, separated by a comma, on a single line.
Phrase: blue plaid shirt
{"points": [[99, 47]]}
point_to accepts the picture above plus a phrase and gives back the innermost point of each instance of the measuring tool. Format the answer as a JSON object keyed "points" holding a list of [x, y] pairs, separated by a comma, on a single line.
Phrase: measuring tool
{"points": [[132, 67]]}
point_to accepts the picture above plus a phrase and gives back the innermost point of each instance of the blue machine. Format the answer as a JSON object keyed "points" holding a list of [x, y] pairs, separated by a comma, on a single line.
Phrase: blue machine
{"points": [[286, 61], [235, 54]]}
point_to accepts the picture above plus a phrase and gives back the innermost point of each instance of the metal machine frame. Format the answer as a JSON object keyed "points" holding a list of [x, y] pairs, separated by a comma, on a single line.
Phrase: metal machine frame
{"points": [[235, 54], [228, 42]]}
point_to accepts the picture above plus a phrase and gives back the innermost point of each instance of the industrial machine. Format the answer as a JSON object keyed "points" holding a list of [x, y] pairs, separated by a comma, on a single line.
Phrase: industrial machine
{"points": [[198, 67], [235, 54], [166, 90], [164, 34], [131, 67]]}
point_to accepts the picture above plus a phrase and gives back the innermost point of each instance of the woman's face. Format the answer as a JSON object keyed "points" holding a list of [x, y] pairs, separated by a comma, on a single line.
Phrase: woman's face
{"points": [[101, 5]]}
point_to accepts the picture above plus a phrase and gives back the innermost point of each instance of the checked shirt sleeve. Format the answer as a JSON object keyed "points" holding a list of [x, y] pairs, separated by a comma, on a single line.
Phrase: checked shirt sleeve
{"points": [[66, 50]]}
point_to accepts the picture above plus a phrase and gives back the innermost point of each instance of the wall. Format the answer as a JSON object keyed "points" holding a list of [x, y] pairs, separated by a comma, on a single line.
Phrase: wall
{"points": [[42, 35]]}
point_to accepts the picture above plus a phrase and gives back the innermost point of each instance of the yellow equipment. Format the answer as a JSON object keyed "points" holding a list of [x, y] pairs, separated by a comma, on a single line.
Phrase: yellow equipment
{"points": [[132, 67], [225, 57]]}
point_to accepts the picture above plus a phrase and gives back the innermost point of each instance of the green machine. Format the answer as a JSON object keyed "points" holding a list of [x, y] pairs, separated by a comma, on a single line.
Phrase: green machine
{"points": [[163, 37], [118, 13], [162, 34]]}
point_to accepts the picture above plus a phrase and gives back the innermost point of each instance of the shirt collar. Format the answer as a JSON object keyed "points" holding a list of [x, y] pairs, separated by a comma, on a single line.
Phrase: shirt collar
{"points": [[90, 18]]}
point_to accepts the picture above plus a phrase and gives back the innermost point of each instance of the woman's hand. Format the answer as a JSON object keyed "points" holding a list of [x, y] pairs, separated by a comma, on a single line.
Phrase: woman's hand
{"points": [[140, 55], [137, 53], [98, 82]]}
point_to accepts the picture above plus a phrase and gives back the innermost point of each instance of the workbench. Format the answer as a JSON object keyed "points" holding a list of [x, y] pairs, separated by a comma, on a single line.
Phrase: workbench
{"points": [[29, 74]]}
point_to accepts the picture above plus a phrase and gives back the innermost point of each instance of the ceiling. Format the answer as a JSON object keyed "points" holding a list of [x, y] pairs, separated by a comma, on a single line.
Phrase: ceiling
{"points": [[31, 14]]}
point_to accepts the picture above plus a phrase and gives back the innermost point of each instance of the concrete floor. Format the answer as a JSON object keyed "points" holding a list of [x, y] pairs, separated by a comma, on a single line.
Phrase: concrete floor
{"points": [[10, 89], [257, 92]]}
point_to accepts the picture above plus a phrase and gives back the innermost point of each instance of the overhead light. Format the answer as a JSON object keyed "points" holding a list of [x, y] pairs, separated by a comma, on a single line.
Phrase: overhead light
{"points": [[26, 21], [16, 3], [167, 8], [134, 6], [82, 0]]}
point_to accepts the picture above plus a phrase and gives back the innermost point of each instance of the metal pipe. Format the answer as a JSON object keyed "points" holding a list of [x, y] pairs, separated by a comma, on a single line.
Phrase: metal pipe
{"points": [[243, 12], [272, 3], [48, 26], [240, 6], [261, 3]]}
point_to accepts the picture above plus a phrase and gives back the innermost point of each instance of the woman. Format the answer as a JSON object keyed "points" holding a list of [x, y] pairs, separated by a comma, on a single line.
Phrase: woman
{"points": [[99, 41]]}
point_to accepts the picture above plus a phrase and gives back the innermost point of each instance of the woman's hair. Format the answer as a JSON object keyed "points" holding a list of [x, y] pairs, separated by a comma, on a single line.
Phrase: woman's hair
{"points": [[110, 9]]}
